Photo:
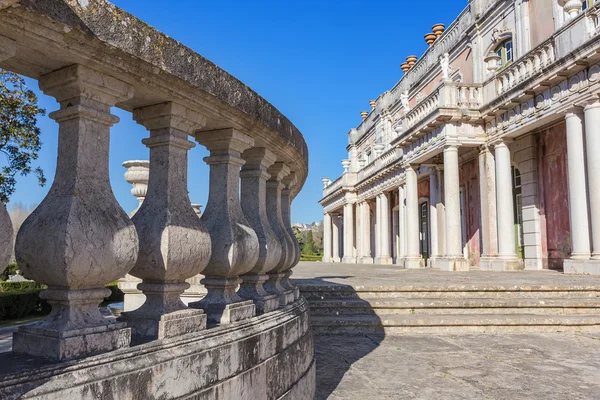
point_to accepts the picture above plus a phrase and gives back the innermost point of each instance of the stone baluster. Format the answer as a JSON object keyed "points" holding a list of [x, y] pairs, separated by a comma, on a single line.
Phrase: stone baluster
{"points": [[7, 50], [79, 238], [137, 175], [254, 205], [286, 213], [174, 245], [278, 171], [234, 243]]}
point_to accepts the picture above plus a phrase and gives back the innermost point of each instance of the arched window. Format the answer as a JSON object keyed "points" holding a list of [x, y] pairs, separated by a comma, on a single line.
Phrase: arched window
{"points": [[505, 52]]}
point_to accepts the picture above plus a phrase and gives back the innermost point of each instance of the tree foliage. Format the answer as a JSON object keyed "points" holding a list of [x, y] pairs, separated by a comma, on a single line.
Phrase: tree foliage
{"points": [[19, 134]]}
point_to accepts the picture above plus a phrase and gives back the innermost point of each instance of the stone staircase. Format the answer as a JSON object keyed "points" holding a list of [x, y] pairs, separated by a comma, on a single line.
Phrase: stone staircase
{"points": [[348, 310]]}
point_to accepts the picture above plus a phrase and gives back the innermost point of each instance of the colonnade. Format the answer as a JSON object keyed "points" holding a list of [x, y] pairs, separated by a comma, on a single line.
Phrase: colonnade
{"points": [[79, 238], [444, 216], [583, 148]]}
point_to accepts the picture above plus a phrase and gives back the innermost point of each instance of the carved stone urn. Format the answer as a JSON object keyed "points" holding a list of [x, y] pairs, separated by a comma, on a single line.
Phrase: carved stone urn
{"points": [[438, 29]]}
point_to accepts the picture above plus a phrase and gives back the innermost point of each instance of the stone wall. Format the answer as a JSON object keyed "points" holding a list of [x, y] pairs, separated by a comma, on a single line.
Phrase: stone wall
{"points": [[267, 357]]}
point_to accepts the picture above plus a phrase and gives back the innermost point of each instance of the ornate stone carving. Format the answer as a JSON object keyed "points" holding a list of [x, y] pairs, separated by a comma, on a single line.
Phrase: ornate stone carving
{"points": [[234, 243], [174, 244], [254, 205], [79, 238]]}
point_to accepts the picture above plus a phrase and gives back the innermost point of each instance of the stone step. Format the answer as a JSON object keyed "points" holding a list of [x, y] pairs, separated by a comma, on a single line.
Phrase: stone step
{"points": [[346, 292], [453, 324], [408, 306]]}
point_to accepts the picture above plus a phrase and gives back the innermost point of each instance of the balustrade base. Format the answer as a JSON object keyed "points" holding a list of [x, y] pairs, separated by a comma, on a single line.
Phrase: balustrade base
{"points": [[228, 313], [296, 293], [67, 345], [500, 264], [287, 297], [147, 327], [582, 267], [452, 264], [384, 260], [265, 304], [414, 263]]}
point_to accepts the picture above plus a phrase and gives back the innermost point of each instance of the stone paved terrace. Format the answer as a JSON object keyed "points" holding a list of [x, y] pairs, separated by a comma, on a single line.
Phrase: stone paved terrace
{"points": [[358, 275], [452, 366], [534, 366]]}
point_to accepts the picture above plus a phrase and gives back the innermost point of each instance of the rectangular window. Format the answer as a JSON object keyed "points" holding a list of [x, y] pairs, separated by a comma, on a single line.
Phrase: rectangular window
{"points": [[369, 157], [509, 51]]}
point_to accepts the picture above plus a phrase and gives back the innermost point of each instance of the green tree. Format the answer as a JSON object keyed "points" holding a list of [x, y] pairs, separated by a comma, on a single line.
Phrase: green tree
{"points": [[19, 134], [309, 245], [299, 237]]}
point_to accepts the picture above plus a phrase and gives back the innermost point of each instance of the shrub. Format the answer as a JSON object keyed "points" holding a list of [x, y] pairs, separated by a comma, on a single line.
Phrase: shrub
{"points": [[25, 286], [306, 257], [116, 295], [10, 270], [14, 305]]}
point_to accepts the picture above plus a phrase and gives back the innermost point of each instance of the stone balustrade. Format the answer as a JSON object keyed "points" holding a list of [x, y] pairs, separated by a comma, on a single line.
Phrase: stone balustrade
{"points": [[79, 238], [469, 96], [423, 109], [526, 67]]}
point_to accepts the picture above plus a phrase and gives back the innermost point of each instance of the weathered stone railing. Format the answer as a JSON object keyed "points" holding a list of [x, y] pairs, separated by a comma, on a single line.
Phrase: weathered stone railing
{"points": [[527, 66], [469, 96], [389, 157], [421, 110], [333, 186], [92, 56]]}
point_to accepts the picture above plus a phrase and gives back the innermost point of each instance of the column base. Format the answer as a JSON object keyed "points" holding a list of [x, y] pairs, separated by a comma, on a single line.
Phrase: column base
{"points": [[453, 264], [400, 262], [384, 260], [349, 260], [582, 267], [146, 327], [414, 263], [534, 264], [501, 264], [366, 260], [68, 345], [335, 259], [327, 259], [252, 288]]}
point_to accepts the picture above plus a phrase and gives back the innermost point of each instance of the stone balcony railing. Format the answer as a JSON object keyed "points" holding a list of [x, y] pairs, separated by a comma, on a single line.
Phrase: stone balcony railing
{"points": [[91, 57], [387, 158]]}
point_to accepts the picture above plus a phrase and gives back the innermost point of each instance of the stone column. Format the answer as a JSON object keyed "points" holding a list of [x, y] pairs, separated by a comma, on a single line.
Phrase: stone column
{"points": [[505, 209], [434, 191], [401, 226], [487, 190], [365, 225], [234, 248], [413, 257], [592, 135], [55, 245], [377, 228], [335, 234], [384, 256], [174, 244], [254, 177], [327, 242], [349, 234], [441, 215], [578, 202], [453, 259], [278, 172], [286, 214]]}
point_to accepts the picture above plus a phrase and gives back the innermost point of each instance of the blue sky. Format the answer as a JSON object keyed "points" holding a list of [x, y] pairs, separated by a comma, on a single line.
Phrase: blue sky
{"points": [[318, 61]]}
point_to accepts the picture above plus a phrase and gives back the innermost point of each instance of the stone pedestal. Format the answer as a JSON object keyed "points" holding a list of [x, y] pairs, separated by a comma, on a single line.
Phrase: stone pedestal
{"points": [[582, 267], [222, 304], [452, 264], [252, 288], [75, 328]]}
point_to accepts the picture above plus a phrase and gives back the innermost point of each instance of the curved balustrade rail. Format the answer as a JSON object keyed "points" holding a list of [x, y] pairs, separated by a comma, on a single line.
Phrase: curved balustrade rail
{"points": [[92, 56]]}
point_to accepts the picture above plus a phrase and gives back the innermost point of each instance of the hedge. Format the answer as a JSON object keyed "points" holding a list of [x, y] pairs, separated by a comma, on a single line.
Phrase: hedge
{"points": [[15, 305], [20, 299], [310, 258]]}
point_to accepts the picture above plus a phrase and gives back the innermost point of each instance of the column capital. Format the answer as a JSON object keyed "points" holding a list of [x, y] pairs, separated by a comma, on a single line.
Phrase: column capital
{"points": [[278, 171], [80, 85], [593, 104], [574, 111], [451, 146], [258, 159], [8, 48], [224, 140], [169, 115]]}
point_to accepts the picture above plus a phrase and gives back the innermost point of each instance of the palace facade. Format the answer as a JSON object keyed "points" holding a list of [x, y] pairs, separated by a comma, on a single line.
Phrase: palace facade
{"points": [[486, 154]]}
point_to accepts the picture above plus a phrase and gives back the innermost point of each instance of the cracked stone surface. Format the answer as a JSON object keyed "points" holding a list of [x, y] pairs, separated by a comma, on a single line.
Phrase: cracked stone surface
{"points": [[532, 366]]}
